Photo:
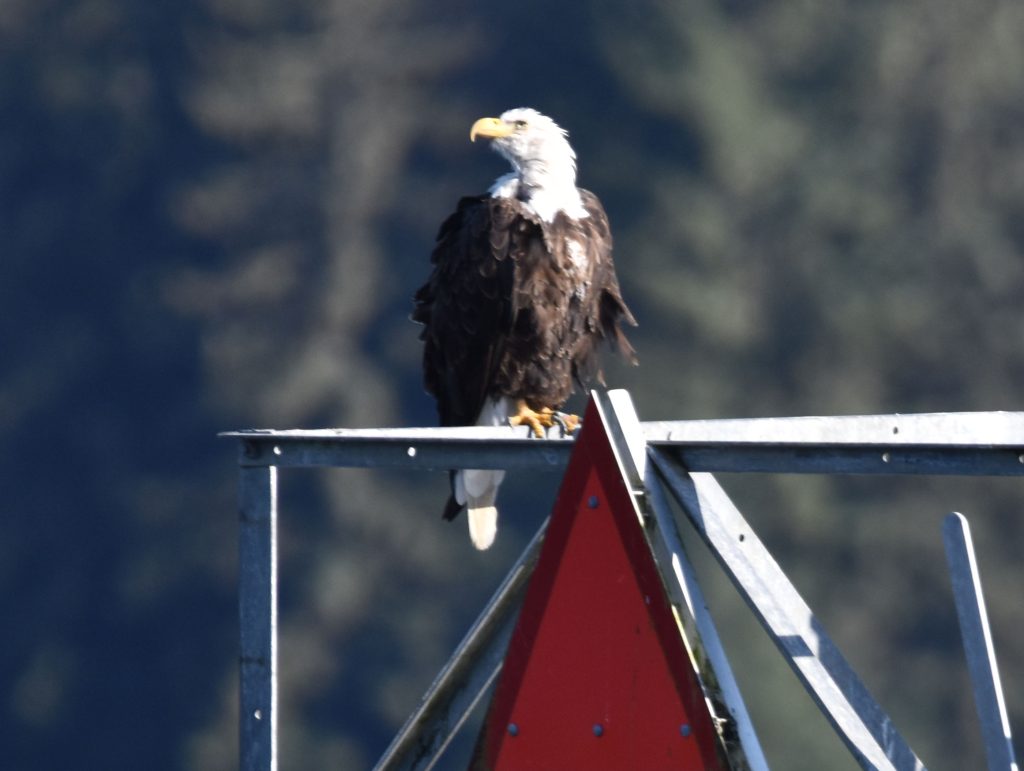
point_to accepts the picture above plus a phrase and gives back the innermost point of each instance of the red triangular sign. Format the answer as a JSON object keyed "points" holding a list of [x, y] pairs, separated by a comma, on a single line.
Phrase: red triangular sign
{"points": [[597, 675]]}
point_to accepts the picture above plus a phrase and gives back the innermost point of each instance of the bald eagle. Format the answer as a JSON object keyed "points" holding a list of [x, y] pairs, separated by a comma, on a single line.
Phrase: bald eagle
{"points": [[521, 293]]}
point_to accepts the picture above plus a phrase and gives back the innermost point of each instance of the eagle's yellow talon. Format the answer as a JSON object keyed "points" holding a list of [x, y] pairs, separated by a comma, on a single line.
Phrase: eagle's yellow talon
{"points": [[544, 418], [537, 420]]}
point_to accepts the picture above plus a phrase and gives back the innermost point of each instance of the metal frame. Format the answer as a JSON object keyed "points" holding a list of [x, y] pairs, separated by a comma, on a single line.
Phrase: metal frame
{"points": [[683, 455]]}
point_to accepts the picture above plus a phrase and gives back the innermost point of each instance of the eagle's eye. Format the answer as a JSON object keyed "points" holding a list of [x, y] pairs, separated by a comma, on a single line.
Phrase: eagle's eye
{"points": [[520, 124]]}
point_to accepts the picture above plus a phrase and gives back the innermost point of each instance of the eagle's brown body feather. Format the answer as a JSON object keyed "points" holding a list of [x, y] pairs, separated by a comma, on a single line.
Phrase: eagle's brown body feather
{"points": [[516, 307]]}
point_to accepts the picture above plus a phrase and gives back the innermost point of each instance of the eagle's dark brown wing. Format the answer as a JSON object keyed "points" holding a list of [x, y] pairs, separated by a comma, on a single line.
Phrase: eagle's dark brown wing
{"points": [[466, 306], [517, 308], [603, 309]]}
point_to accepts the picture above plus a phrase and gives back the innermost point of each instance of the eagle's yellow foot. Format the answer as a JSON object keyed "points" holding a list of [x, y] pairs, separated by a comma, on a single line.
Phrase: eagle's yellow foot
{"points": [[545, 417], [537, 420]]}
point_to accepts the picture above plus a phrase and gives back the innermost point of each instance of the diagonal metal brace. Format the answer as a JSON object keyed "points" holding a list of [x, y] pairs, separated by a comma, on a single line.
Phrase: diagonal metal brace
{"points": [[466, 677], [680, 579], [977, 637], [858, 720]]}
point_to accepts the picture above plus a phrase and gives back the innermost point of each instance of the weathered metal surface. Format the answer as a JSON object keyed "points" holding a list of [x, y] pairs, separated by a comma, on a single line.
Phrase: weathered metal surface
{"points": [[465, 678], [969, 443], [846, 703], [977, 637], [742, 745], [930, 428], [849, 459], [597, 674], [977, 443], [257, 604], [436, 449]]}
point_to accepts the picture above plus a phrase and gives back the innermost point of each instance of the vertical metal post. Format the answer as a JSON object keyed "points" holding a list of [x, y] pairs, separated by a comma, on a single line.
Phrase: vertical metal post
{"points": [[977, 637], [257, 606]]}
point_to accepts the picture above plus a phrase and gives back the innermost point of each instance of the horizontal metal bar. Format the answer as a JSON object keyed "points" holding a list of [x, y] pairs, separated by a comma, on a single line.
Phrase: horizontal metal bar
{"points": [[834, 458], [982, 443], [552, 455], [411, 448], [930, 428]]}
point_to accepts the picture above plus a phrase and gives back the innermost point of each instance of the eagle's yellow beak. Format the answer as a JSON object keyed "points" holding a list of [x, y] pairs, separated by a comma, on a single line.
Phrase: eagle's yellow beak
{"points": [[490, 127]]}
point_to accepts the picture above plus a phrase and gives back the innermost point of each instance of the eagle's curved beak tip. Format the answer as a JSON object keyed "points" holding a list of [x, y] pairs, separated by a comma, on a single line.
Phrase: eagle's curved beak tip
{"points": [[490, 128]]}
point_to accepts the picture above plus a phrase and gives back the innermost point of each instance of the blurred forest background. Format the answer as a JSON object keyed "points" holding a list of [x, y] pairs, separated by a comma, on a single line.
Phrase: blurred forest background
{"points": [[214, 213]]}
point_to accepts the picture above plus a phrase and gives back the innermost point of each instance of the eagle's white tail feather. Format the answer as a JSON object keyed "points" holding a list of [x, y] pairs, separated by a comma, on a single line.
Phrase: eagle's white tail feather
{"points": [[483, 526], [478, 489]]}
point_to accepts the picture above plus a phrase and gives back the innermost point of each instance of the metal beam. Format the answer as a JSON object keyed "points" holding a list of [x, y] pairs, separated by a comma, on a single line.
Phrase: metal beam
{"points": [[257, 607], [977, 637], [972, 443], [969, 443], [437, 449], [847, 459], [858, 720], [927, 428]]}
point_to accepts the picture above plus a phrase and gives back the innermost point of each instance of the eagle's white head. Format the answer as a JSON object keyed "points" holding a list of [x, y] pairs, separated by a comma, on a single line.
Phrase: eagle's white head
{"points": [[543, 162]]}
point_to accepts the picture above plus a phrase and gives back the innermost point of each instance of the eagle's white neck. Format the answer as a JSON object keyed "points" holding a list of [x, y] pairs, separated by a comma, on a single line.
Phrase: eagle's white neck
{"points": [[544, 186]]}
